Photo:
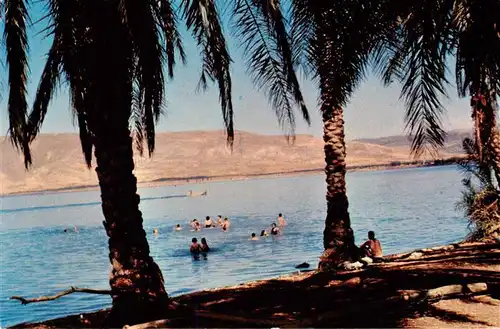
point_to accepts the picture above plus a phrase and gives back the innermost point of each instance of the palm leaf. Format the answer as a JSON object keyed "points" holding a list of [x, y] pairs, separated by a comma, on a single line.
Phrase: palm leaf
{"points": [[167, 20], [140, 20], [425, 35], [16, 43], [46, 87], [202, 19], [260, 29]]}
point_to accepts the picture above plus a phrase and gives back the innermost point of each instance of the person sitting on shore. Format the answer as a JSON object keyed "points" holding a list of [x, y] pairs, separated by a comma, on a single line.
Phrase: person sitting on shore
{"points": [[372, 247], [204, 246], [226, 224], [264, 233], [178, 227], [274, 229], [281, 220], [208, 222], [195, 246], [254, 237]]}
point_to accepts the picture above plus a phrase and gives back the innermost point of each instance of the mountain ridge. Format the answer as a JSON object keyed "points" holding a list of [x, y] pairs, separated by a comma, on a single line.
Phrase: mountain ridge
{"points": [[58, 161]]}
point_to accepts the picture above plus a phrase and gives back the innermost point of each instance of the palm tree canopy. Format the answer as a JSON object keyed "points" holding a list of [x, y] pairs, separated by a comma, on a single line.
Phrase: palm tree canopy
{"points": [[101, 43]]}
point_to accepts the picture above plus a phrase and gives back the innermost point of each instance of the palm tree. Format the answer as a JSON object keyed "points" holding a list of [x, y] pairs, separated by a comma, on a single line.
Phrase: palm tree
{"points": [[111, 55], [481, 198], [417, 54]]}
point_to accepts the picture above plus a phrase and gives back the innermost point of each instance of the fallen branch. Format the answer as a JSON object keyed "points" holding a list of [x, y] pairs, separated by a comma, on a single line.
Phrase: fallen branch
{"points": [[71, 290]]}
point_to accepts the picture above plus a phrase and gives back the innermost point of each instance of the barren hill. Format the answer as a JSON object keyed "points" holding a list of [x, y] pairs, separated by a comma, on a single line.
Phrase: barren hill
{"points": [[58, 161]]}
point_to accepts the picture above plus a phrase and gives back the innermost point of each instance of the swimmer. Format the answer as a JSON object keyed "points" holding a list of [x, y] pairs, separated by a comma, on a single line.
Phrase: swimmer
{"points": [[155, 231], [195, 246], [264, 233], [254, 237], [65, 230], [204, 246], [75, 228], [274, 229], [226, 224], [195, 225], [219, 220], [208, 222], [281, 220], [178, 227]]}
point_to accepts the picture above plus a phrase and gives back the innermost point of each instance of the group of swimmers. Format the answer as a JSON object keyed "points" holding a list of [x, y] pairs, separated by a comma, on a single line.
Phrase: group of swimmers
{"points": [[224, 224], [275, 229]]}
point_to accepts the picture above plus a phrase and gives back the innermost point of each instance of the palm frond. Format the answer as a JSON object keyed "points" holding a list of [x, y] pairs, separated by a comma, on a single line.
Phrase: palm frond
{"points": [[16, 43], [477, 24], [202, 19], [46, 87], [140, 19], [424, 80], [303, 33], [259, 27], [167, 19]]}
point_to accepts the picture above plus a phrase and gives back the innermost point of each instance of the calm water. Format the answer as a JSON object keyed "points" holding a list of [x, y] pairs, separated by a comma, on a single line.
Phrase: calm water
{"points": [[407, 208]]}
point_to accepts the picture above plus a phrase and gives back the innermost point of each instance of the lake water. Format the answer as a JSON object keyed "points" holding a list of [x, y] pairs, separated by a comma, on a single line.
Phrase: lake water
{"points": [[408, 209]]}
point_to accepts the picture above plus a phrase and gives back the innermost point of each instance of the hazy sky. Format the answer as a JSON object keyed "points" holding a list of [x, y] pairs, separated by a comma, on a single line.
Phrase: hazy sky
{"points": [[374, 110]]}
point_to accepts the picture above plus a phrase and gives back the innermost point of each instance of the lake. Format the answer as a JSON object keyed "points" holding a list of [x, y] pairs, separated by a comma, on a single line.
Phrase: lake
{"points": [[407, 208]]}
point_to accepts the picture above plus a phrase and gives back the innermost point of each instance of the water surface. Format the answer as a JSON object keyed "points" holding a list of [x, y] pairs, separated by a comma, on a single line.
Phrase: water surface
{"points": [[408, 209]]}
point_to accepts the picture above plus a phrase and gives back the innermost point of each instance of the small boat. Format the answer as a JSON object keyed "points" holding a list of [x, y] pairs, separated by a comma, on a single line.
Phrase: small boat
{"points": [[191, 193]]}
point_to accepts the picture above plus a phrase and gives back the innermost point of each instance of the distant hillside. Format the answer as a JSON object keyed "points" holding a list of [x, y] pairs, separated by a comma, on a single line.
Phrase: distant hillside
{"points": [[58, 161]]}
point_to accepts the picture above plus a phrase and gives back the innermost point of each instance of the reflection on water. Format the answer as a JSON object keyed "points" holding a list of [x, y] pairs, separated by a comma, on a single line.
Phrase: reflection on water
{"points": [[406, 208]]}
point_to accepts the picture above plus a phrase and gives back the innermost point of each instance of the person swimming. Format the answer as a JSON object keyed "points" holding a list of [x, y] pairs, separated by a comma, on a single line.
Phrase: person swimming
{"points": [[281, 220], [204, 246], [195, 225], [254, 237], [274, 229], [226, 224], [178, 227], [195, 246], [264, 233], [155, 231], [219, 220], [208, 222]]}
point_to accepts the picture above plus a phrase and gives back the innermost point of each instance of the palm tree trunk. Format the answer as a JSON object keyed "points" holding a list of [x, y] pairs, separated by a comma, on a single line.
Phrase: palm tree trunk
{"points": [[136, 281], [486, 130], [338, 237]]}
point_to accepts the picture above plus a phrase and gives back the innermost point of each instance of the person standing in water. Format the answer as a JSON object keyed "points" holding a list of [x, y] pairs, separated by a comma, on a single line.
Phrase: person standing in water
{"points": [[220, 222], [274, 229], [195, 246], [254, 237], [208, 222], [264, 233], [178, 227], [204, 246], [226, 224], [281, 220]]}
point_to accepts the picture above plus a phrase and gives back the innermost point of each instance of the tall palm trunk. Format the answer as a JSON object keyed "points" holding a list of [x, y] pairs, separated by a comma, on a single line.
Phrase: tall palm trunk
{"points": [[136, 281], [486, 130], [338, 237]]}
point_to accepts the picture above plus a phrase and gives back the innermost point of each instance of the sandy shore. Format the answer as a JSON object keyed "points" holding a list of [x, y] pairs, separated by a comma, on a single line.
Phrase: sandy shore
{"points": [[447, 287]]}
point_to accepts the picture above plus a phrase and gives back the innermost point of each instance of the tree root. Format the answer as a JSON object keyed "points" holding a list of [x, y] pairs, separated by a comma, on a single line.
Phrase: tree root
{"points": [[71, 290]]}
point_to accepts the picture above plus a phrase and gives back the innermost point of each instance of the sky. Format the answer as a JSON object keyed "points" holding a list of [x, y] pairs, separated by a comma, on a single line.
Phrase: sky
{"points": [[373, 111]]}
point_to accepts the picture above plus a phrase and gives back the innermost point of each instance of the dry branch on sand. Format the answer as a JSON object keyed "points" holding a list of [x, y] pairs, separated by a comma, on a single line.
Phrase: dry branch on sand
{"points": [[71, 290]]}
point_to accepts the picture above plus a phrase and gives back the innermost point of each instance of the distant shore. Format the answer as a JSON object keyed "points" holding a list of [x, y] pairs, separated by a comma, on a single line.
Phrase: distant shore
{"points": [[169, 181]]}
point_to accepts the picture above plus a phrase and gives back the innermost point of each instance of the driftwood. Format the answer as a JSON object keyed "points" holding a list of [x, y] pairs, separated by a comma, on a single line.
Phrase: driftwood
{"points": [[71, 290], [152, 324]]}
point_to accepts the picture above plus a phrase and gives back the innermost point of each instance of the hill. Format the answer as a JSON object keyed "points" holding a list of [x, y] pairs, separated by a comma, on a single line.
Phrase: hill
{"points": [[58, 161]]}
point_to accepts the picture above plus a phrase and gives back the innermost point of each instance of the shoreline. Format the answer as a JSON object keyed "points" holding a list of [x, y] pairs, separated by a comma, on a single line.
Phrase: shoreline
{"points": [[174, 181], [447, 278]]}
